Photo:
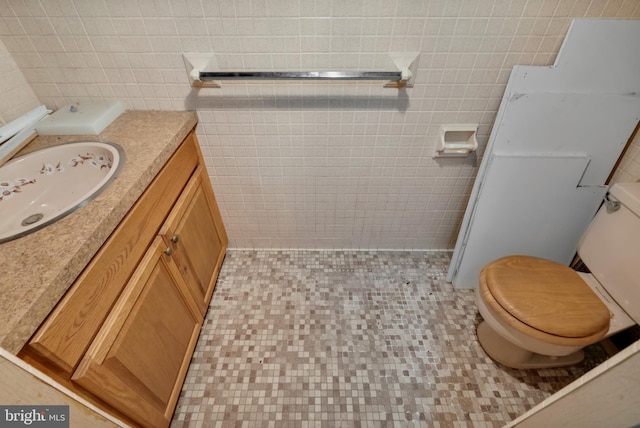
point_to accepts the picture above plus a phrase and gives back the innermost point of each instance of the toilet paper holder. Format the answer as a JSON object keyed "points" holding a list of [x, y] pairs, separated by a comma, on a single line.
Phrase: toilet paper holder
{"points": [[457, 140]]}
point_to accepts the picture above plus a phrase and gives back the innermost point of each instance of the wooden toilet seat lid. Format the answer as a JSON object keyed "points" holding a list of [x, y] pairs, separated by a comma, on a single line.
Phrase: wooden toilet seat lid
{"points": [[546, 296]]}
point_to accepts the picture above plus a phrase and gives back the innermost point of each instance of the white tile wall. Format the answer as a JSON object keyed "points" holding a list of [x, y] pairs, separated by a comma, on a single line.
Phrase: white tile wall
{"points": [[300, 165], [16, 96]]}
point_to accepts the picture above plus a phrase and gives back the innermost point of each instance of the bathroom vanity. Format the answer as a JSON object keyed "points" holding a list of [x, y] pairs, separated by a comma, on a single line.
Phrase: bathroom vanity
{"points": [[114, 308]]}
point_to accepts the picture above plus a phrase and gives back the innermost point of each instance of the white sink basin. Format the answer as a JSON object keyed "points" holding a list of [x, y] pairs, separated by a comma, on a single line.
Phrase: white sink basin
{"points": [[40, 188]]}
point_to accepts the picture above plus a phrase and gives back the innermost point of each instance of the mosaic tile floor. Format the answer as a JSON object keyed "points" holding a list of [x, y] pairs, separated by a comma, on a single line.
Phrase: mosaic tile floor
{"points": [[350, 339]]}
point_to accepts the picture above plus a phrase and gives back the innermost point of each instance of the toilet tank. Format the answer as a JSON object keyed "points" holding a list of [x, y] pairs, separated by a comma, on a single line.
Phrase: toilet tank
{"points": [[611, 248]]}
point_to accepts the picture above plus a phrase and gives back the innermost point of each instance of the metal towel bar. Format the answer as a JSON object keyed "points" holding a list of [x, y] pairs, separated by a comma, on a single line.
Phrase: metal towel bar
{"points": [[203, 71], [300, 75]]}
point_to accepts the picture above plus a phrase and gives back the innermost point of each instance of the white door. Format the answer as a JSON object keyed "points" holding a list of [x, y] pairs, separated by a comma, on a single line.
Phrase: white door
{"points": [[558, 134]]}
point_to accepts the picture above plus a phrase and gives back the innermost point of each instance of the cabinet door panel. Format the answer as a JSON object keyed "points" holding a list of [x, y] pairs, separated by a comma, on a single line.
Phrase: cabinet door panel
{"points": [[200, 241], [139, 359], [194, 231]]}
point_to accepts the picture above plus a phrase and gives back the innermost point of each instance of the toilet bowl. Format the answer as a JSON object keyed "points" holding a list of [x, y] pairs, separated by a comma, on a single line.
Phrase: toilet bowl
{"points": [[541, 307], [538, 313]]}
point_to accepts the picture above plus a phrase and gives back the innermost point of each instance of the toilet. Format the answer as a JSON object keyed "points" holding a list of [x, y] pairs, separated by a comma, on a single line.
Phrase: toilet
{"points": [[538, 313]]}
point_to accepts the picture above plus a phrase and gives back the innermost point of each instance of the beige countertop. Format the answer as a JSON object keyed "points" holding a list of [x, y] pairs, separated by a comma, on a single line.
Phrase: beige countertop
{"points": [[37, 269]]}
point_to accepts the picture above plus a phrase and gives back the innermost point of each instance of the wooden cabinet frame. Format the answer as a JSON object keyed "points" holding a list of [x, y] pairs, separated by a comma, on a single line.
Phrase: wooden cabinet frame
{"points": [[124, 333]]}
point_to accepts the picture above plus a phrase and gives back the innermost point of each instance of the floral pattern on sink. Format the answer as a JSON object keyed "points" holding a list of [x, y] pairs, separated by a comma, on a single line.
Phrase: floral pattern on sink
{"points": [[9, 188], [98, 161], [49, 169]]}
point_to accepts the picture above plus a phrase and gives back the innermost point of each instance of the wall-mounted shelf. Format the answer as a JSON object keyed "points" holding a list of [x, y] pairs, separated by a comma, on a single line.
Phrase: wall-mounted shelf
{"points": [[203, 71]]}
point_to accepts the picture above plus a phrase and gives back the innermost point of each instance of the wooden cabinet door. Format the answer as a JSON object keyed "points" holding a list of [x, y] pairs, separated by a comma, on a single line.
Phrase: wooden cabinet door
{"points": [[139, 359], [195, 232]]}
